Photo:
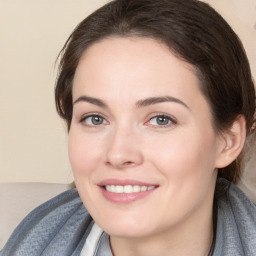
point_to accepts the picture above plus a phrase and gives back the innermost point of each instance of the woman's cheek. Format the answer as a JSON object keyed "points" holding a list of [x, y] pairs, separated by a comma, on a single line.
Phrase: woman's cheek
{"points": [[84, 153]]}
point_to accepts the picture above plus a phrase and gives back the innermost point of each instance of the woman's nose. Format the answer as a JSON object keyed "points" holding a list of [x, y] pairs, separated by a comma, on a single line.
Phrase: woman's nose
{"points": [[124, 150]]}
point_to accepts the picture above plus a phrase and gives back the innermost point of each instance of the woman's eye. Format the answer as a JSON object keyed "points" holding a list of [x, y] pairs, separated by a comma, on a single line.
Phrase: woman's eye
{"points": [[93, 120], [161, 120]]}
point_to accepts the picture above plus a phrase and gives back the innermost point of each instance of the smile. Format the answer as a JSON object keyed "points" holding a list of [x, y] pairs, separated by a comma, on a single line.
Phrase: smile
{"points": [[128, 188], [126, 191]]}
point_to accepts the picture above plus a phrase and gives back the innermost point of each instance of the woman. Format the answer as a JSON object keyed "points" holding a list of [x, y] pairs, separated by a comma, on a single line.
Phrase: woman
{"points": [[158, 100]]}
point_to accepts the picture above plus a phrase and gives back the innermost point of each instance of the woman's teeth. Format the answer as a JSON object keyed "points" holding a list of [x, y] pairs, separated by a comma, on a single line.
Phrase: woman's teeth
{"points": [[127, 188]]}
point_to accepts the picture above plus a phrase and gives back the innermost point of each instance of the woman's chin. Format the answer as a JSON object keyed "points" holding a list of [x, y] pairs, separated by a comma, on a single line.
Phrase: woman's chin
{"points": [[126, 230], [128, 233]]}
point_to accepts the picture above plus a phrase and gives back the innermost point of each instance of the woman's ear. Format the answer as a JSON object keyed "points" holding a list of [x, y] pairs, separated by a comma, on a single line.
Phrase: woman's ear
{"points": [[231, 143]]}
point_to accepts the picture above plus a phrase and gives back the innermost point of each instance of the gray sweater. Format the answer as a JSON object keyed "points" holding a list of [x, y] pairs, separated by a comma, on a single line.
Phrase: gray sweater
{"points": [[60, 227]]}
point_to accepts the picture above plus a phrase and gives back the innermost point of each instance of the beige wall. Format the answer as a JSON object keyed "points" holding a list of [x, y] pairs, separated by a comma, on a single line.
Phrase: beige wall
{"points": [[33, 141]]}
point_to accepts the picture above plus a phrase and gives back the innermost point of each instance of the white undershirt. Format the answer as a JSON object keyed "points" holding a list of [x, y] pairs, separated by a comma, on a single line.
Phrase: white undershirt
{"points": [[92, 241]]}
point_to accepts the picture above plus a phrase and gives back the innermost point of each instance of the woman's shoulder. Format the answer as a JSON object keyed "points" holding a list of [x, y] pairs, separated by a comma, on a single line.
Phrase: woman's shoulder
{"points": [[236, 222], [60, 225]]}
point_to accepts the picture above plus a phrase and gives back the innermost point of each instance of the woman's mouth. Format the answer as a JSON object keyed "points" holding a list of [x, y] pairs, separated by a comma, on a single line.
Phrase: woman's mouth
{"points": [[125, 191]]}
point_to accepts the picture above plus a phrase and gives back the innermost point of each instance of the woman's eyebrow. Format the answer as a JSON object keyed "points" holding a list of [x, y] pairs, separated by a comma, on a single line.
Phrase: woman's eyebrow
{"points": [[91, 100], [156, 100], [141, 103]]}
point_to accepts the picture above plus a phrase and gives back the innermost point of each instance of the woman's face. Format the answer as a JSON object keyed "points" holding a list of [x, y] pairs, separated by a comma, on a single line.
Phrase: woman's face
{"points": [[142, 146]]}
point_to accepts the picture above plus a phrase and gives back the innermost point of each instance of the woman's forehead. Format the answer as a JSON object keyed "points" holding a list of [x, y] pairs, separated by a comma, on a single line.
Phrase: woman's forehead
{"points": [[127, 70], [142, 61]]}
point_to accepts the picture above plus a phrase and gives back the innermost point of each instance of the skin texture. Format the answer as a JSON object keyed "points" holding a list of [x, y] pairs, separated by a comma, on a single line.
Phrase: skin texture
{"points": [[179, 156]]}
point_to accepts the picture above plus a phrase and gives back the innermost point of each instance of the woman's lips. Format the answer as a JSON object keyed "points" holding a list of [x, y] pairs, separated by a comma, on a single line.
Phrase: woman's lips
{"points": [[125, 191]]}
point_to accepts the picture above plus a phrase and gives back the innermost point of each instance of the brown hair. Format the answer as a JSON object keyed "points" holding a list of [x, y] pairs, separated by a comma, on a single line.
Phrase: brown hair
{"points": [[195, 32]]}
